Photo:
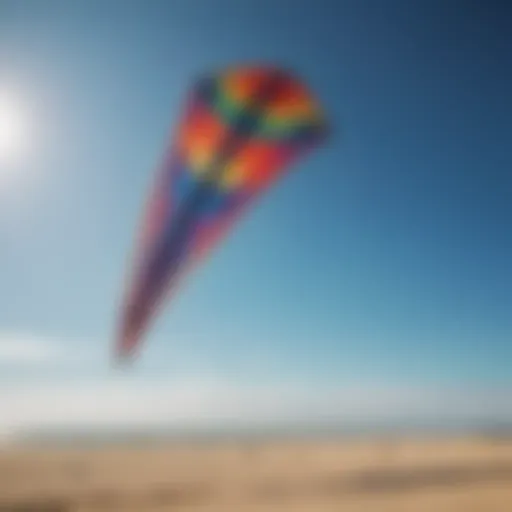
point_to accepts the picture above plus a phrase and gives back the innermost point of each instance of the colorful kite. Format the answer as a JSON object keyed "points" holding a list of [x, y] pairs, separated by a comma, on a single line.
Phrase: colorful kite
{"points": [[240, 130]]}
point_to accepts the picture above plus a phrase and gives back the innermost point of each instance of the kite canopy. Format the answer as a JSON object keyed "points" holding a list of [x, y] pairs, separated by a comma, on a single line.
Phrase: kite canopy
{"points": [[240, 130]]}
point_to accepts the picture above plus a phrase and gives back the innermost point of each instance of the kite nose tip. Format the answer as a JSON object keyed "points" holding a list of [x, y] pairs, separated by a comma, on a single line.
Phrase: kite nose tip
{"points": [[123, 353], [121, 360]]}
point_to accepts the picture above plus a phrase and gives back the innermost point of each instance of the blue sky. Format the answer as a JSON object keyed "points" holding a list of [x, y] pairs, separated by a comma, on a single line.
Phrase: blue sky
{"points": [[381, 261]]}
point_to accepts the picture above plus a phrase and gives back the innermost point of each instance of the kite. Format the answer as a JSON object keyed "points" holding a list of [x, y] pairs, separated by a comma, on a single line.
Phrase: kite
{"points": [[240, 130]]}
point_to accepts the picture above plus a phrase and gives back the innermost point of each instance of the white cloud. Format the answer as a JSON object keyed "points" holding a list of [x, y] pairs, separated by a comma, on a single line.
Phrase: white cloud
{"points": [[26, 349], [133, 402], [22, 349], [130, 400]]}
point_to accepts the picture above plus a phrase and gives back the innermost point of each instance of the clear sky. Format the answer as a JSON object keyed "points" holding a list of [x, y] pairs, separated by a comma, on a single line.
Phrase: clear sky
{"points": [[382, 262]]}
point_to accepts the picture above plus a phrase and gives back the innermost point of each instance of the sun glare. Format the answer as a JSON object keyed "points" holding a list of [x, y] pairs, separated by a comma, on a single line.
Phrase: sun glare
{"points": [[13, 129]]}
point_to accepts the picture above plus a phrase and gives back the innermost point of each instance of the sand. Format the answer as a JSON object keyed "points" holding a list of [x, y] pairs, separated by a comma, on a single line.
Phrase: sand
{"points": [[466, 475]]}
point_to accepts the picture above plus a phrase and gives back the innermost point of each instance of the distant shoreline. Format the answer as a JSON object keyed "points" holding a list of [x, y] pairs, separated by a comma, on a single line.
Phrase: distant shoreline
{"points": [[92, 437]]}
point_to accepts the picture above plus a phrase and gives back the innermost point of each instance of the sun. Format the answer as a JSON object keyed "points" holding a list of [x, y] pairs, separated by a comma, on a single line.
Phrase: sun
{"points": [[13, 129]]}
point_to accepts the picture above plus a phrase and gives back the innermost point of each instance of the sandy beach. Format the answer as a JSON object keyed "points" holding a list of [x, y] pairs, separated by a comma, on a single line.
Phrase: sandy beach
{"points": [[469, 475]]}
